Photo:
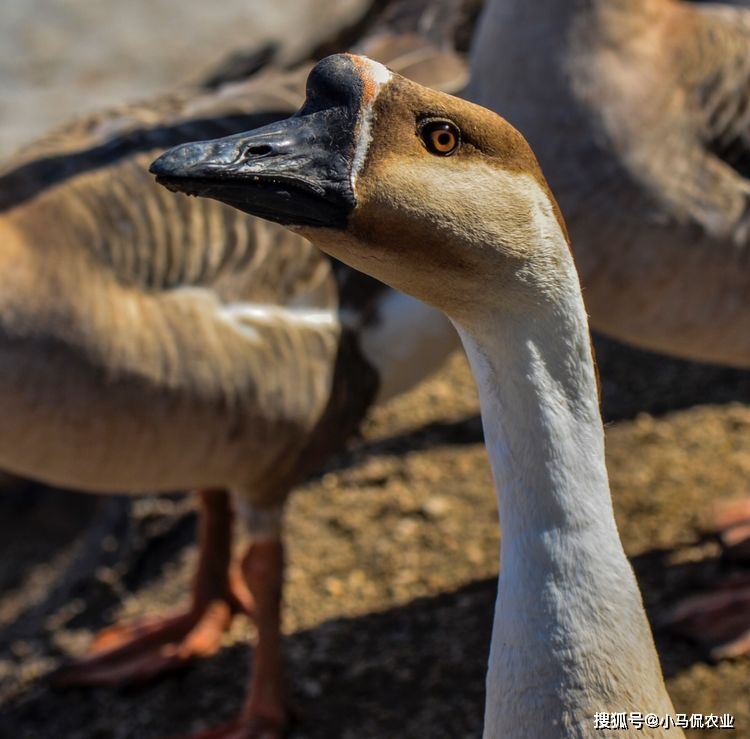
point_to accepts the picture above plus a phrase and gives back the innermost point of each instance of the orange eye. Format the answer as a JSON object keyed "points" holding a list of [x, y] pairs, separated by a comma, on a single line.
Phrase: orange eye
{"points": [[441, 137]]}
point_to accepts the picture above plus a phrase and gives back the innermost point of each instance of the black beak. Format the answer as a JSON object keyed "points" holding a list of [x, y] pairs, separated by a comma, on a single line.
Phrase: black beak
{"points": [[295, 172]]}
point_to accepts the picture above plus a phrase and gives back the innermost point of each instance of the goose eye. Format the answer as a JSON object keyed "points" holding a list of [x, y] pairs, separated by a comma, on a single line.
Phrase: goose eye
{"points": [[441, 137]]}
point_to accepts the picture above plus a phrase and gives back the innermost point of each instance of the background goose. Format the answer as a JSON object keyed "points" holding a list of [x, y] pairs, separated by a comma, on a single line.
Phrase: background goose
{"points": [[638, 111], [395, 191], [155, 344]]}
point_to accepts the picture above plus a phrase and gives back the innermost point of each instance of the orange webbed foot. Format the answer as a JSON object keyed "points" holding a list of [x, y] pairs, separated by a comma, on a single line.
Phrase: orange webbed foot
{"points": [[135, 653], [718, 620]]}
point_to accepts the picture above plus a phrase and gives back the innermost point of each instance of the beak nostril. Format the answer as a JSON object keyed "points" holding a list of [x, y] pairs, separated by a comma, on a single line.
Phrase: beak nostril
{"points": [[259, 150]]}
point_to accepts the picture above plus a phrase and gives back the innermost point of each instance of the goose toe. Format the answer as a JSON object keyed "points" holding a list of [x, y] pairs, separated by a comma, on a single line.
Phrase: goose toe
{"points": [[137, 653], [717, 620]]}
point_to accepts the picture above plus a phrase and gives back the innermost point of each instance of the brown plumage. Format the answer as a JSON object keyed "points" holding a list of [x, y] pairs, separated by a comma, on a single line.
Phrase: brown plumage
{"points": [[447, 202], [639, 112], [155, 343]]}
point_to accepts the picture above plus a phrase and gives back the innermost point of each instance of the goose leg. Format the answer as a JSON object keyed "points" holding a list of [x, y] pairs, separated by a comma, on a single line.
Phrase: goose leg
{"points": [[731, 523], [719, 620], [264, 714], [124, 654]]}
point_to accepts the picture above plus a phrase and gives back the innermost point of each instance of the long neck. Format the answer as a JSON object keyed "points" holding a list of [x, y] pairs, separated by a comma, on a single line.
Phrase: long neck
{"points": [[570, 635]]}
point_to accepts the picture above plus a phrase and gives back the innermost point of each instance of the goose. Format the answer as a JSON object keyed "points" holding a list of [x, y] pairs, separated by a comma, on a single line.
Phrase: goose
{"points": [[154, 344], [638, 111], [444, 200]]}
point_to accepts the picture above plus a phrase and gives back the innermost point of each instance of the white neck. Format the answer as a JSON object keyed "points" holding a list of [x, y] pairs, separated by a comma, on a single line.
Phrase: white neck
{"points": [[570, 636]]}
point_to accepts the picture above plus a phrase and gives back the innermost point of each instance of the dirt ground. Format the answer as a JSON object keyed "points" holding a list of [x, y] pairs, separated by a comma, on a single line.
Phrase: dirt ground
{"points": [[392, 550], [392, 567]]}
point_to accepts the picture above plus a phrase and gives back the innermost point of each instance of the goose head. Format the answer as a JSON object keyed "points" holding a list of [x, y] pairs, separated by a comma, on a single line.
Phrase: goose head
{"points": [[424, 191]]}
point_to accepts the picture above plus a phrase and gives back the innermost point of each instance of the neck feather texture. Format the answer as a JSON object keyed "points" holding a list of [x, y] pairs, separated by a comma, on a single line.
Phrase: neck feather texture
{"points": [[570, 635]]}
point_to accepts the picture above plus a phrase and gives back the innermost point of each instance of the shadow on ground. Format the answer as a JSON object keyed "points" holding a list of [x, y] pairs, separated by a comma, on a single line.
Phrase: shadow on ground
{"points": [[413, 668], [412, 671]]}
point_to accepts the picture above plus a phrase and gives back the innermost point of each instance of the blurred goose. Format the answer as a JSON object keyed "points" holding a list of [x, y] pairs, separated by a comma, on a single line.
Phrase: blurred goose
{"points": [[639, 111], [150, 343], [444, 200]]}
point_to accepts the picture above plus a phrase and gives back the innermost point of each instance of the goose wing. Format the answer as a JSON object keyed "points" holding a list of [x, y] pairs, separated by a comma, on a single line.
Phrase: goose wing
{"points": [[162, 312], [709, 59], [153, 308]]}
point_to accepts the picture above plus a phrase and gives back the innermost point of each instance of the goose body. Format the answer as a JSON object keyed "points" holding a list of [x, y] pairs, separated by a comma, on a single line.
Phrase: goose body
{"points": [[405, 184], [639, 111], [153, 343]]}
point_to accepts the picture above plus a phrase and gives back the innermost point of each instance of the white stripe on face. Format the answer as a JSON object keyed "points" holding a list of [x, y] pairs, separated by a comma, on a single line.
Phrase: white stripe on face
{"points": [[374, 76]]}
